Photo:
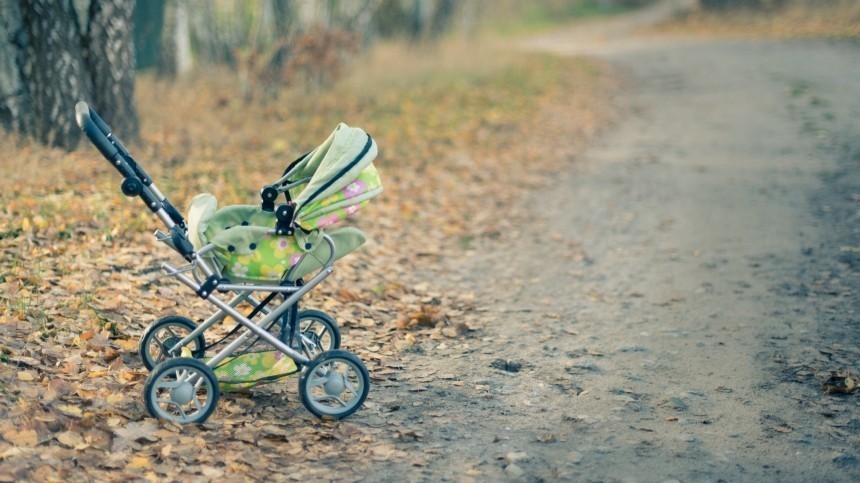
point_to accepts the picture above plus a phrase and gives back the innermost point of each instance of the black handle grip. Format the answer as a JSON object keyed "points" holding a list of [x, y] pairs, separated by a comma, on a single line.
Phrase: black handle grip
{"points": [[103, 127], [84, 116], [106, 130]]}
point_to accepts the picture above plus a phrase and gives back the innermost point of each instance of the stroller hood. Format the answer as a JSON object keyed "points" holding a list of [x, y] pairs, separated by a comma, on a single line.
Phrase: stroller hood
{"points": [[339, 174]]}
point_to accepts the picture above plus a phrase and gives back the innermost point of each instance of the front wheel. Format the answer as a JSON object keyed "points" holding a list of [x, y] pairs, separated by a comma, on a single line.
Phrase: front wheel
{"points": [[182, 390], [159, 341], [319, 333], [334, 384]]}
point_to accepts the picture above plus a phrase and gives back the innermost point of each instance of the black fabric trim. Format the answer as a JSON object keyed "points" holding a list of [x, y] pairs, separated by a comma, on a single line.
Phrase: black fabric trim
{"points": [[344, 170], [297, 161]]}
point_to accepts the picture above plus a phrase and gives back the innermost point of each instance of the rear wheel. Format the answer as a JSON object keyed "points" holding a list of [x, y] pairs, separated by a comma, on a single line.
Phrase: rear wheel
{"points": [[159, 341], [319, 333]]}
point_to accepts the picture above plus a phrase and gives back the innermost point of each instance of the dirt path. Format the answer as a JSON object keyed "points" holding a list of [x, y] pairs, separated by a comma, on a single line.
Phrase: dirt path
{"points": [[674, 306]]}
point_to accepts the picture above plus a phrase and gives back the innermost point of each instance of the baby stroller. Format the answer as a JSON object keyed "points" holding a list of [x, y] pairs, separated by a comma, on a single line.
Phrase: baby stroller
{"points": [[243, 250]]}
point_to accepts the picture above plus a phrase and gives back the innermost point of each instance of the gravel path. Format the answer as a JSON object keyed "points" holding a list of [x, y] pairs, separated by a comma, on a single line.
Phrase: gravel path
{"points": [[684, 292]]}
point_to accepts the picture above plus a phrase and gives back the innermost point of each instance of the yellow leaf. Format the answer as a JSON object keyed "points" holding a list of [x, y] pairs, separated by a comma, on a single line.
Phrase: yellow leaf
{"points": [[25, 437], [27, 376], [128, 344], [71, 439], [40, 222], [70, 410], [138, 462]]}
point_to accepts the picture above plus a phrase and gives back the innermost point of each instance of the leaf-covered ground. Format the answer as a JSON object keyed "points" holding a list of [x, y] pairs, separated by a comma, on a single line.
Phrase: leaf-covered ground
{"points": [[463, 133], [794, 19]]}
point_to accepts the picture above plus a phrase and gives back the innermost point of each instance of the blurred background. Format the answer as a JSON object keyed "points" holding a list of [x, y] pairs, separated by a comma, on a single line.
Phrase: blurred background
{"points": [[57, 51], [218, 95]]}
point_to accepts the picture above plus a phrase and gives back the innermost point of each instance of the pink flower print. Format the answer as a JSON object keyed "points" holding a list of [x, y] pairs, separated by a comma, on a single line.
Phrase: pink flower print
{"points": [[354, 189], [281, 246], [327, 220], [295, 259], [351, 209]]}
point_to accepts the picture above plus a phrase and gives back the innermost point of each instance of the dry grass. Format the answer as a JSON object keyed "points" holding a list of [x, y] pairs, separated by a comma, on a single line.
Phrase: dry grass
{"points": [[798, 19]]}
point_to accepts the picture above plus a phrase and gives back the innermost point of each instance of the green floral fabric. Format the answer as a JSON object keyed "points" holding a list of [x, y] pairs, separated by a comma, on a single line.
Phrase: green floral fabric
{"points": [[252, 369], [332, 166], [245, 251], [341, 204]]}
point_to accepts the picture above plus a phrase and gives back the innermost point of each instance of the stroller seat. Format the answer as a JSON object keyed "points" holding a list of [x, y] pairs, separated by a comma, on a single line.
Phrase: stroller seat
{"points": [[246, 251]]}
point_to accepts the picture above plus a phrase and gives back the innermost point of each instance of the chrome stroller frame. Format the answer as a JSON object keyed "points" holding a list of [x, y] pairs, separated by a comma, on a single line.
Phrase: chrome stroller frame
{"points": [[333, 384], [310, 343]]}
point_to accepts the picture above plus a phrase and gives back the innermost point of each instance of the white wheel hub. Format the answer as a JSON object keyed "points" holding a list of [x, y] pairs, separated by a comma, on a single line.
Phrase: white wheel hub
{"points": [[182, 393], [335, 385]]}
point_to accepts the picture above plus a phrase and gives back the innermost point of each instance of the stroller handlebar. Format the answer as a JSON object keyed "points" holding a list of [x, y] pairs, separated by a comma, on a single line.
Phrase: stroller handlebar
{"points": [[95, 129], [136, 182]]}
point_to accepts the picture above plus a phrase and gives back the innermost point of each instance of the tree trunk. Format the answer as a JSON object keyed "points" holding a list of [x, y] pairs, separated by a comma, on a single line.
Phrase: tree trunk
{"points": [[182, 39], [110, 58], [54, 53], [211, 46], [148, 24], [14, 102], [285, 18], [443, 15], [54, 70], [418, 21]]}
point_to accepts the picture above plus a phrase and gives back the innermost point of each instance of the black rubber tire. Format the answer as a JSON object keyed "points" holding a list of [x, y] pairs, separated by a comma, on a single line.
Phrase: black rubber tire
{"points": [[355, 403], [152, 330], [150, 388], [323, 318]]}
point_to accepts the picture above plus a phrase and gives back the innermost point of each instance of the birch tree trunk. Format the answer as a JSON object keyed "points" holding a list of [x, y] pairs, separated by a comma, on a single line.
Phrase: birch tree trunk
{"points": [[54, 70], [110, 59], [54, 53], [13, 93]]}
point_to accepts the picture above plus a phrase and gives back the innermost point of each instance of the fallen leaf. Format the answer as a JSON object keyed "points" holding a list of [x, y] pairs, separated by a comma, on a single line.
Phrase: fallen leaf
{"points": [[69, 410], [546, 438], [132, 433], [138, 462], [24, 437], [840, 382], [71, 439], [26, 376]]}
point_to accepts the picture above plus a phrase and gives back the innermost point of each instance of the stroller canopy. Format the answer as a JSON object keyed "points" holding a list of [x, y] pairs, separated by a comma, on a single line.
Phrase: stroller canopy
{"points": [[337, 175]]}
